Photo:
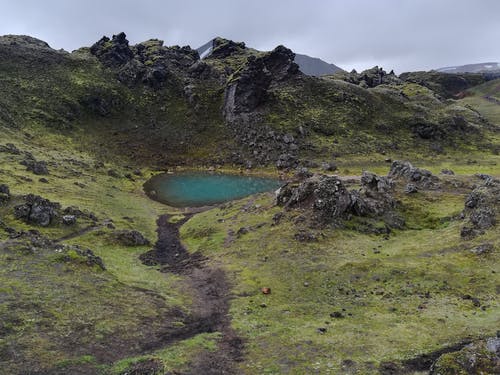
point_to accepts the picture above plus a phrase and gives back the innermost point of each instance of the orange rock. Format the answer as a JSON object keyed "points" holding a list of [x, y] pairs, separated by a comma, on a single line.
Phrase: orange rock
{"points": [[266, 290]]}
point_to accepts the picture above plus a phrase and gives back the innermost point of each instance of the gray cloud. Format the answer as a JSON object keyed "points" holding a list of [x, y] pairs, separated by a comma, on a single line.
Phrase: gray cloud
{"points": [[399, 34]]}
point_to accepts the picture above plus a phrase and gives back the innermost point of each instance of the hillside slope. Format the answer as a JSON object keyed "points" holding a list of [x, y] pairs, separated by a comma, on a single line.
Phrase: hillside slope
{"points": [[387, 273]]}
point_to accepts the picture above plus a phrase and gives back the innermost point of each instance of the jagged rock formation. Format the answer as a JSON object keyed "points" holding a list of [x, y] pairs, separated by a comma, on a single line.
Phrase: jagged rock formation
{"points": [[330, 201], [370, 78], [148, 62], [248, 87]]}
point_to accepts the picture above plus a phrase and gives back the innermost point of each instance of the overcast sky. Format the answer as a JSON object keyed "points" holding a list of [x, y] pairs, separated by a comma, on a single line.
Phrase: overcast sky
{"points": [[396, 34]]}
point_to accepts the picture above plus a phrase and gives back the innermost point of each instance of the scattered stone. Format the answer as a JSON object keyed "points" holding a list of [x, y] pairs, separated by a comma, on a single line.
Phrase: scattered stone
{"points": [[242, 231], [484, 248], [322, 330], [277, 218], [265, 290], [69, 219], [304, 236], [337, 315], [43, 180], [10, 148], [130, 238]]}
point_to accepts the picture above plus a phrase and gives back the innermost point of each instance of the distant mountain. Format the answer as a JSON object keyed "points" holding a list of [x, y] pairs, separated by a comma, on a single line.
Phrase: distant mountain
{"points": [[311, 66], [488, 67], [314, 66]]}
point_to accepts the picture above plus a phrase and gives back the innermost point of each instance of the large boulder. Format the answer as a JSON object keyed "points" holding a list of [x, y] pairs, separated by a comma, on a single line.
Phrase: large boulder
{"points": [[330, 202], [482, 206], [37, 210]]}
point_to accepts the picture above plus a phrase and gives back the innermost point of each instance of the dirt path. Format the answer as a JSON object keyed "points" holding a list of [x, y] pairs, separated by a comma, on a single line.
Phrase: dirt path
{"points": [[211, 298]]}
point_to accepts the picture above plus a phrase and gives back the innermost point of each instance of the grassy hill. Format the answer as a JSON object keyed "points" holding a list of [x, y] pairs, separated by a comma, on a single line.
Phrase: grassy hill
{"points": [[355, 296]]}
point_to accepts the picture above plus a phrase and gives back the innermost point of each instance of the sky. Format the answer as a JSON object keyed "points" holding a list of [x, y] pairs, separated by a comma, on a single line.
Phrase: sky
{"points": [[404, 35]]}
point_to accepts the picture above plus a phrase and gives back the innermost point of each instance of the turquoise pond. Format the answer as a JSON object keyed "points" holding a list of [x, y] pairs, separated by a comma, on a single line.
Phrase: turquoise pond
{"points": [[196, 189]]}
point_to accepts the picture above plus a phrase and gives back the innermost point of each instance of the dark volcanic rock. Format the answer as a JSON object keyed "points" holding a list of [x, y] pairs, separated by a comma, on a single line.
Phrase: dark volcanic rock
{"points": [[148, 62], [10, 148], [114, 52], [69, 219], [330, 201], [37, 210], [421, 177], [248, 88], [482, 206], [130, 238], [4, 193], [37, 167], [370, 77], [222, 48]]}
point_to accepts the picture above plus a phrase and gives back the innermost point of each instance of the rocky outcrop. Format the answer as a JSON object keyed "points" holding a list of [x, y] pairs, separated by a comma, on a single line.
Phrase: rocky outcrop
{"points": [[37, 210], [370, 78], [330, 201], [148, 62], [482, 206], [222, 48], [248, 87], [419, 178], [113, 52]]}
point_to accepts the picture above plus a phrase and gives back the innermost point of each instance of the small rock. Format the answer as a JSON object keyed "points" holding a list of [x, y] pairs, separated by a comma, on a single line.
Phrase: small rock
{"points": [[113, 173], [448, 172], [43, 180], [329, 166], [411, 189], [336, 315], [322, 330], [265, 290], [69, 219], [482, 249]]}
